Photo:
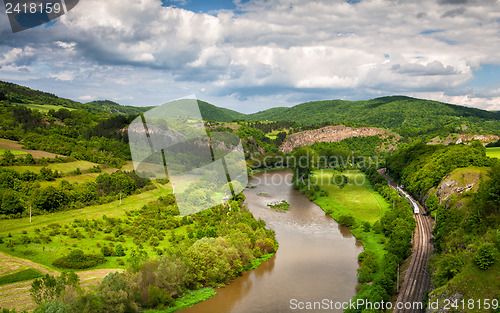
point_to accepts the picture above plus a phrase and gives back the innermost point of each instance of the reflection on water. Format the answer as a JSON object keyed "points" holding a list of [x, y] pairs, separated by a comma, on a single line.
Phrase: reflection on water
{"points": [[316, 259]]}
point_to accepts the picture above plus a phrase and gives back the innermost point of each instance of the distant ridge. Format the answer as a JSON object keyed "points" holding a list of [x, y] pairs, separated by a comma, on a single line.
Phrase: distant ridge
{"points": [[388, 112], [392, 112]]}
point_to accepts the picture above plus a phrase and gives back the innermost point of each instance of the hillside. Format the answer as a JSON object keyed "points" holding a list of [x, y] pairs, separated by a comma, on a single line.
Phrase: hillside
{"points": [[394, 112], [210, 112], [115, 108]]}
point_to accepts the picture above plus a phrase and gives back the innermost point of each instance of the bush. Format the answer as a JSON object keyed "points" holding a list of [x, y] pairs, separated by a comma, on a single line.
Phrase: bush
{"points": [[346, 220], [159, 298], [106, 251], [119, 251], [76, 259], [485, 256]]}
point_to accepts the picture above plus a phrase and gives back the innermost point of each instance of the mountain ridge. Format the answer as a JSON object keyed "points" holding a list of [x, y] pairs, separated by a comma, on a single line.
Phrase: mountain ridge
{"points": [[392, 112]]}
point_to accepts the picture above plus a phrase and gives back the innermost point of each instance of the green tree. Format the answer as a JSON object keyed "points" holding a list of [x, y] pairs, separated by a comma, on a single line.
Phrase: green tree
{"points": [[485, 256], [8, 158], [432, 202]]}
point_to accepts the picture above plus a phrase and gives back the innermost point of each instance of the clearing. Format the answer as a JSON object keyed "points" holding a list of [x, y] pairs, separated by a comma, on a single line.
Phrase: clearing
{"points": [[357, 198], [493, 152]]}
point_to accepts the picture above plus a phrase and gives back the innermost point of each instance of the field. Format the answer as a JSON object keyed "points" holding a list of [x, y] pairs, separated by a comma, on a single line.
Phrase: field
{"points": [[43, 108], [64, 168], [46, 253], [493, 152], [17, 295], [14, 152], [357, 198], [17, 149]]}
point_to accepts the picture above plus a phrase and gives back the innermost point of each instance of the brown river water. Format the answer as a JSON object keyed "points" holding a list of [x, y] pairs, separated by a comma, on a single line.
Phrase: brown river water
{"points": [[316, 259]]}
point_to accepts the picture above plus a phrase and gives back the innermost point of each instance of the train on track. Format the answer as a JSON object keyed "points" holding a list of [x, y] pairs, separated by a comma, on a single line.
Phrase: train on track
{"points": [[414, 205]]}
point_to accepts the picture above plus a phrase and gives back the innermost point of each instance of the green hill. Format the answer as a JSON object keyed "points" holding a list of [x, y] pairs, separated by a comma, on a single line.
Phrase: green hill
{"points": [[115, 108], [390, 112], [210, 112]]}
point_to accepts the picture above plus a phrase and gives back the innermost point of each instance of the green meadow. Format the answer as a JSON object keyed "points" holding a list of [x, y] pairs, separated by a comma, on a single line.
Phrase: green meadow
{"points": [[88, 241], [64, 168], [493, 152], [357, 198], [14, 152], [44, 108]]}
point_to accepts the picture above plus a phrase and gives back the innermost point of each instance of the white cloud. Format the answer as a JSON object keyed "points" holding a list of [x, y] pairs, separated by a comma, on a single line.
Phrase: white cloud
{"points": [[274, 52]]}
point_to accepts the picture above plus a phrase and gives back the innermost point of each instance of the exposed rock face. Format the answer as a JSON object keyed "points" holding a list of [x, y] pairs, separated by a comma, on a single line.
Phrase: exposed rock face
{"points": [[326, 134], [463, 138]]}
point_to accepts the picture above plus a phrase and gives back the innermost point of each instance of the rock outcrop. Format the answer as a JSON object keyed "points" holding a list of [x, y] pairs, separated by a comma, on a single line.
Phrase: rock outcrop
{"points": [[327, 134]]}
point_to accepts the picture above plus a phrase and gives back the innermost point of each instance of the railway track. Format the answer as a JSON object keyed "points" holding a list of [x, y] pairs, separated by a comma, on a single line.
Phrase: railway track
{"points": [[417, 280]]}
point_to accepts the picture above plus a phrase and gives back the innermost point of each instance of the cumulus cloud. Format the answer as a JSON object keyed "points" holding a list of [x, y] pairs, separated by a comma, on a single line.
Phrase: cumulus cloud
{"points": [[270, 52]]}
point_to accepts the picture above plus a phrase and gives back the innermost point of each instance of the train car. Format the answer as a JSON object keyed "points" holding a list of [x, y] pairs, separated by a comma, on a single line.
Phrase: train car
{"points": [[414, 205]]}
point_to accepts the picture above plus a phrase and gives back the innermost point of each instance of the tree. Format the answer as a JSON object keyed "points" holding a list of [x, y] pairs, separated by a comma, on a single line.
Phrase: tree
{"points": [[10, 203], [302, 163], [485, 256], [45, 289], [8, 158], [432, 202], [115, 294]]}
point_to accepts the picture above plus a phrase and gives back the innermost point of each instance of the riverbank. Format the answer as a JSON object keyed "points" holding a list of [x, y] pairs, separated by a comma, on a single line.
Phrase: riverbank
{"points": [[356, 205], [197, 296]]}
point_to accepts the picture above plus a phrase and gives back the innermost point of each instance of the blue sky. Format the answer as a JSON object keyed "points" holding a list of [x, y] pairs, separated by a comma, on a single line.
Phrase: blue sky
{"points": [[255, 54]]}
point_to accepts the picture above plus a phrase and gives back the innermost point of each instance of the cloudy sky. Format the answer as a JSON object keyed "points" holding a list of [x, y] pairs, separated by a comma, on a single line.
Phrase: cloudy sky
{"points": [[255, 54]]}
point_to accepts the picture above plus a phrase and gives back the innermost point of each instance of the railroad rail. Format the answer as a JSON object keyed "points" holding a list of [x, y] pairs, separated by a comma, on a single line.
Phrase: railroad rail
{"points": [[416, 281]]}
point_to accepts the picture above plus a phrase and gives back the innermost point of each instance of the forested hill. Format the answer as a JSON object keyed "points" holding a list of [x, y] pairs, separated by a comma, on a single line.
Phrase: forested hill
{"points": [[407, 116], [44, 101], [391, 112]]}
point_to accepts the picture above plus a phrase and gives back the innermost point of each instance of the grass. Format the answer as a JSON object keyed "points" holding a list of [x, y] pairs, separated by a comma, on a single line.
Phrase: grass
{"points": [[44, 108], [493, 152], [65, 168], [14, 152], [46, 253], [188, 300], [357, 198], [473, 283], [27, 274]]}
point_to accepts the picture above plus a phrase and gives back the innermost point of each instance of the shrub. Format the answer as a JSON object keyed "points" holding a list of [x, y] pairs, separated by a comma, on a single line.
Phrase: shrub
{"points": [[346, 220], [119, 251], [106, 251], [485, 256], [159, 298], [76, 259]]}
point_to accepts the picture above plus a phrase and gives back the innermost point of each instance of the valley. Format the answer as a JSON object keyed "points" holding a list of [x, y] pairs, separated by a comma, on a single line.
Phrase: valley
{"points": [[71, 202]]}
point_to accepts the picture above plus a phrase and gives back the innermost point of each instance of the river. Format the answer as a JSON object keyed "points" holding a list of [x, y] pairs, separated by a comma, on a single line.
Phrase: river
{"points": [[316, 259]]}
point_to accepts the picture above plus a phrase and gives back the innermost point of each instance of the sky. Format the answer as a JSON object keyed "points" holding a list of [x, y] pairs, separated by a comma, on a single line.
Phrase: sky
{"points": [[250, 55]]}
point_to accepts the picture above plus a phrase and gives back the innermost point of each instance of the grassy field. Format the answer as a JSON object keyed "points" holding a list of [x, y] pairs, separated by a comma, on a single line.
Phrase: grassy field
{"points": [[14, 152], [43, 108], [493, 152], [357, 198], [17, 149], [46, 253], [65, 168], [23, 275]]}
